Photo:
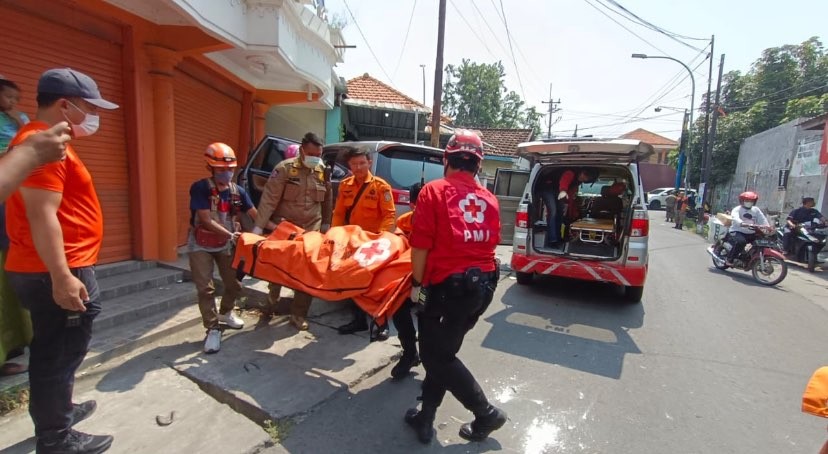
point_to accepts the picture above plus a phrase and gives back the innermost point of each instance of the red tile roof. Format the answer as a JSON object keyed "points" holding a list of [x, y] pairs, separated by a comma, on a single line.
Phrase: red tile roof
{"points": [[373, 91], [503, 141], [649, 137]]}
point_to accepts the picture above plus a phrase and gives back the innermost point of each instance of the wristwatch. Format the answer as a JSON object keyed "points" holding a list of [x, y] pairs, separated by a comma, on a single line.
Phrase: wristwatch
{"points": [[416, 283]]}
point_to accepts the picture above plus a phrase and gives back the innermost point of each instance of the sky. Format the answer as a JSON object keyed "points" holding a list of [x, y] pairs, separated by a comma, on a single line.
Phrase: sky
{"points": [[574, 46]]}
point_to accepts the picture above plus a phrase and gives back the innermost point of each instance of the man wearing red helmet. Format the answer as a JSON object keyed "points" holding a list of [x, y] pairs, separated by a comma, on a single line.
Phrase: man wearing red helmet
{"points": [[215, 204], [743, 220], [454, 275]]}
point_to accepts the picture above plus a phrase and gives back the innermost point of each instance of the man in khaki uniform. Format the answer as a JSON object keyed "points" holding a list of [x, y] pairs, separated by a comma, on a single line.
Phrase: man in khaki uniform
{"points": [[299, 192]]}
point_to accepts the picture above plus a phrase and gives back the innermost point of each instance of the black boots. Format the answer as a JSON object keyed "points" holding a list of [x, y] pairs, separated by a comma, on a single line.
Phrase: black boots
{"points": [[83, 410], [422, 421], [404, 365], [484, 424]]}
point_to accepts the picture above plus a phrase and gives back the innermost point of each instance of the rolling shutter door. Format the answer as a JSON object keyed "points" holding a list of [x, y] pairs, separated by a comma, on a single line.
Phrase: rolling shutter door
{"points": [[203, 115], [30, 45]]}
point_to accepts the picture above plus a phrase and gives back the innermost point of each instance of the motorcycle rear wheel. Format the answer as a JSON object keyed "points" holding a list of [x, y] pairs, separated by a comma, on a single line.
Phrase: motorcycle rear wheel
{"points": [[763, 270]]}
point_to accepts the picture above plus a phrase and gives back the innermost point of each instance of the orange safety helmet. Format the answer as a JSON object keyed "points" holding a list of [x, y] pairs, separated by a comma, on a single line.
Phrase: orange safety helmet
{"points": [[748, 196], [465, 141], [220, 155]]}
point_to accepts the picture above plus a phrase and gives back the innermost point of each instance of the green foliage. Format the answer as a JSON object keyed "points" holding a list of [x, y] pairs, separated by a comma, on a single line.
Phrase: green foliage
{"points": [[474, 94], [783, 84]]}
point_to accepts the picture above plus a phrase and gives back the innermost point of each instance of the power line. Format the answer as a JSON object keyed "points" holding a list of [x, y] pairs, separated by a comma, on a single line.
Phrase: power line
{"points": [[474, 32], [750, 102], [405, 40], [638, 20], [618, 123], [625, 27], [514, 61], [368, 44], [520, 52], [686, 76]]}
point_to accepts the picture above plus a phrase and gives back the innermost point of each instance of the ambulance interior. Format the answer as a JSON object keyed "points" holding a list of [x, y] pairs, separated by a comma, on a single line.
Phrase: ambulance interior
{"points": [[604, 213]]}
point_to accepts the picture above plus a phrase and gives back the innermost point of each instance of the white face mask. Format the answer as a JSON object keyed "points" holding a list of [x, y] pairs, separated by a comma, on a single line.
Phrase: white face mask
{"points": [[748, 205], [87, 127], [311, 161]]}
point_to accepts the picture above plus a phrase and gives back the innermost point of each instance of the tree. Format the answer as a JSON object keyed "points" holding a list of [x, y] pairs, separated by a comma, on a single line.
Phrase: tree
{"points": [[783, 84], [475, 95]]}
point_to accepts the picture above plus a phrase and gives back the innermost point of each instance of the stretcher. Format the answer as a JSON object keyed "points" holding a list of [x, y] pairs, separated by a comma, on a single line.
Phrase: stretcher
{"points": [[372, 269]]}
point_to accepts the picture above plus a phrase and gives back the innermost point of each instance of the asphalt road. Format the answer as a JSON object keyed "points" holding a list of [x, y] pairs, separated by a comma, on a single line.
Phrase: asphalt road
{"points": [[709, 362]]}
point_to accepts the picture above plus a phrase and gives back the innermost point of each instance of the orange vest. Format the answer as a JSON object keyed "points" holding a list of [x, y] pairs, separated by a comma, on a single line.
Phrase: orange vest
{"points": [[373, 269]]}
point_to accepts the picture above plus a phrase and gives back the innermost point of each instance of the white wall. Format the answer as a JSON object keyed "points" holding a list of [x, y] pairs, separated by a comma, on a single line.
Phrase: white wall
{"points": [[294, 122]]}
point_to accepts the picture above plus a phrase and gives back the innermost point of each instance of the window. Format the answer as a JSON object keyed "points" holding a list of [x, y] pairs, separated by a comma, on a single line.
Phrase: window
{"points": [[273, 155], [510, 183], [402, 169]]}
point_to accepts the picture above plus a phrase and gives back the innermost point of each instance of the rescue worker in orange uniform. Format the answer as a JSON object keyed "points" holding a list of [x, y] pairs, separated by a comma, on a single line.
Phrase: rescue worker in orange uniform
{"points": [[403, 321], [298, 191], [364, 200], [454, 276]]}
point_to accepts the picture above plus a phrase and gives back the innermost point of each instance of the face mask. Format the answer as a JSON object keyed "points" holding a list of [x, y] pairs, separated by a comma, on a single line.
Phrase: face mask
{"points": [[748, 204], [223, 176], [312, 161], [87, 127]]}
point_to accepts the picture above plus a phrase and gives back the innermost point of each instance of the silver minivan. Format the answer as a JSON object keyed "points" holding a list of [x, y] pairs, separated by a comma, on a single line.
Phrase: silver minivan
{"points": [[608, 242]]}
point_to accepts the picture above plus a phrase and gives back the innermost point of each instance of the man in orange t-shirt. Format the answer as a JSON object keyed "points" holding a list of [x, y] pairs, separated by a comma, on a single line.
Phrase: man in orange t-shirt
{"points": [[55, 228]]}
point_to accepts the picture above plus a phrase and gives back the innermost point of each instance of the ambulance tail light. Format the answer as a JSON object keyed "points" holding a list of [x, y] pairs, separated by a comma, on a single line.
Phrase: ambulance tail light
{"points": [[400, 197], [640, 224], [522, 218]]}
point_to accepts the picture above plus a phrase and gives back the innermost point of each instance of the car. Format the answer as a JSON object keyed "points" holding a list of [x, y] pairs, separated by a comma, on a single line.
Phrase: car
{"points": [[609, 242], [400, 164], [656, 199]]}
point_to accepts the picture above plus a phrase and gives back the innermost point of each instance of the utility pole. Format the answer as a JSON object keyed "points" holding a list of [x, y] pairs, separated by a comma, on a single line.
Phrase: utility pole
{"points": [[682, 150], [438, 77], [706, 142], [709, 151], [553, 107], [423, 68], [576, 131]]}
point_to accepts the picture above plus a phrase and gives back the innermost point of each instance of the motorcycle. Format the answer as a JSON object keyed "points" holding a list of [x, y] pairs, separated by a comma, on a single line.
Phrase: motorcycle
{"points": [[761, 257], [808, 240]]}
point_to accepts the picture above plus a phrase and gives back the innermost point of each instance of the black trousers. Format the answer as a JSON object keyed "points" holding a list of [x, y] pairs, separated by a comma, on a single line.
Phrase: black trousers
{"points": [[739, 240], [406, 332], [451, 311], [57, 350]]}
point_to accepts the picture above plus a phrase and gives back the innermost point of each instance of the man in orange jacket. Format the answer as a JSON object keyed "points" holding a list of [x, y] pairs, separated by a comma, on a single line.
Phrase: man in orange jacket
{"points": [[403, 321], [364, 200]]}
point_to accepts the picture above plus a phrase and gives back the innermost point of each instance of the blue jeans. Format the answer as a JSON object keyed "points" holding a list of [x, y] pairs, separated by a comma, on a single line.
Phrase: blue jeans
{"points": [[554, 220], [57, 350]]}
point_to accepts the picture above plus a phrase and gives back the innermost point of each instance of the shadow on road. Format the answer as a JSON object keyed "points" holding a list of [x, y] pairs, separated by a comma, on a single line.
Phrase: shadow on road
{"points": [[574, 324]]}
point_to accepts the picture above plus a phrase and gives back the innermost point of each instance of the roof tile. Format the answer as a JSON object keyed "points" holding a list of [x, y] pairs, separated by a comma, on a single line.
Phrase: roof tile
{"points": [[649, 137]]}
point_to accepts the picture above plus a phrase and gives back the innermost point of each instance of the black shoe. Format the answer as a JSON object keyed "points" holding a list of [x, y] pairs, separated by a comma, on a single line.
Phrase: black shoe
{"points": [[75, 443], [381, 334], [354, 326], [422, 423], [82, 411], [404, 365], [481, 427]]}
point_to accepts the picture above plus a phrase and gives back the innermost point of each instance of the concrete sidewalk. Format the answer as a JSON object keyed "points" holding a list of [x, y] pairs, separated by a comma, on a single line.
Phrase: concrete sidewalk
{"points": [[266, 375]]}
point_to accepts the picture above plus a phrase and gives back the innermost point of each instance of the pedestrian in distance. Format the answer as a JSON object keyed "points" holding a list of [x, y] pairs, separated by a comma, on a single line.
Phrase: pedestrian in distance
{"points": [[298, 191], [454, 275], [681, 210], [215, 206], [670, 208], [364, 200], [55, 227]]}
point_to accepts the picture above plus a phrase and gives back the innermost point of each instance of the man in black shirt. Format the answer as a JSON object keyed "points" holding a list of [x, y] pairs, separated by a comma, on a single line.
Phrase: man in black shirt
{"points": [[805, 213]]}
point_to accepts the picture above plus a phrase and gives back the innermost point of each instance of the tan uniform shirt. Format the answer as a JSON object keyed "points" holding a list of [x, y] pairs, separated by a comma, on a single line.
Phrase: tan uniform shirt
{"points": [[297, 194]]}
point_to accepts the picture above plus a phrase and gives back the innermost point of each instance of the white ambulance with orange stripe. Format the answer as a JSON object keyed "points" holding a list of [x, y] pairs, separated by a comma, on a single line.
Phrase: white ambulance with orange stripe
{"points": [[606, 238]]}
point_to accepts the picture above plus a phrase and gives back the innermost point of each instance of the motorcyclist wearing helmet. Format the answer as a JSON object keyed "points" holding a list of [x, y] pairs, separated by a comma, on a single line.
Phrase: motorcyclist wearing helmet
{"points": [[743, 218], [801, 215]]}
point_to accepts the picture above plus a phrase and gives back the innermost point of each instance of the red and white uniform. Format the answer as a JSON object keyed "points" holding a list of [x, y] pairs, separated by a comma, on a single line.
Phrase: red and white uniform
{"points": [[458, 221]]}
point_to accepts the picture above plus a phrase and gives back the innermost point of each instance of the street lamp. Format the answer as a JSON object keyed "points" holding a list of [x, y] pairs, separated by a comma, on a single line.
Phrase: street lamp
{"points": [[692, 104], [674, 109]]}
